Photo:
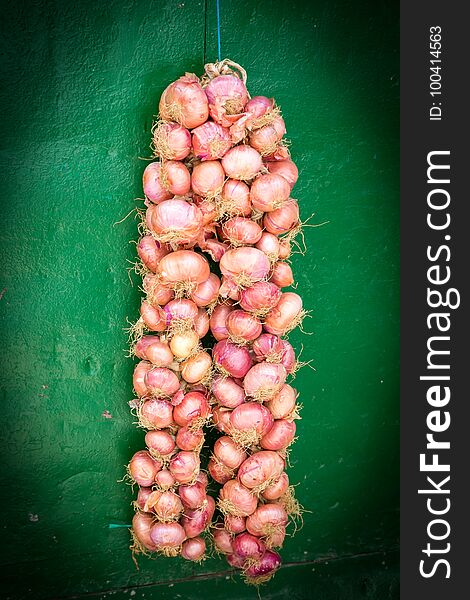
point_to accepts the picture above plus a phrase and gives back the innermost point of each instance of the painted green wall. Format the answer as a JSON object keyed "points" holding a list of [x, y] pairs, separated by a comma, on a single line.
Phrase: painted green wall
{"points": [[80, 84]]}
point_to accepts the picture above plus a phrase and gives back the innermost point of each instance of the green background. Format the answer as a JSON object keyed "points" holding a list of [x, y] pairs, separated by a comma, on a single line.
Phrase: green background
{"points": [[80, 85]]}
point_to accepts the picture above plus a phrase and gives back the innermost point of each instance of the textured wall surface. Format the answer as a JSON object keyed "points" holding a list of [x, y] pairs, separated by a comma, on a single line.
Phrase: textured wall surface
{"points": [[80, 85]]}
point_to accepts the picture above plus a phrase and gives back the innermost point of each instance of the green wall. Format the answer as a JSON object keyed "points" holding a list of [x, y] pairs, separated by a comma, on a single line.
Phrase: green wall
{"points": [[80, 84]]}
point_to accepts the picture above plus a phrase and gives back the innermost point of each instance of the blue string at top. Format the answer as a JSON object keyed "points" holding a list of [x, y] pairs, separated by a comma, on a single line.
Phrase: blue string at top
{"points": [[218, 31]]}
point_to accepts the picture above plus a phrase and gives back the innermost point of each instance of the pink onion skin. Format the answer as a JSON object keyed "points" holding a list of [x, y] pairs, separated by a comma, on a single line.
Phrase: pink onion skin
{"points": [[210, 141], [235, 524], [227, 392], [222, 540], [269, 244], [259, 468], [281, 153], [193, 406], [241, 230], [207, 178], [143, 468], [178, 217], [166, 505], [215, 248], [243, 500], [152, 316], [252, 415], [280, 435], [143, 344], [184, 466], [192, 496], [237, 193], [142, 524], [217, 321], [245, 260], [268, 192], [159, 354], [219, 91], [242, 163], [142, 495], [183, 265], [164, 479], [276, 489], [282, 219], [262, 295], [234, 360], [154, 189], [196, 521], [229, 289], [167, 535], [265, 515], [288, 357], [140, 371], [162, 382], [171, 141], [193, 549], [156, 413], [160, 441], [266, 139], [189, 440], [157, 294], [243, 326], [286, 168], [283, 403], [201, 323], [268, 347], [264, 380], [229, 452], [259, 106], [219, 472], [246, 545], [285, 249], [268, 564], [175, 177], [150, 252], [180, 309], [282, 275], [279, 320], [235, 561], [207, 291], [221, 418], [185, 102], [195, 368]]}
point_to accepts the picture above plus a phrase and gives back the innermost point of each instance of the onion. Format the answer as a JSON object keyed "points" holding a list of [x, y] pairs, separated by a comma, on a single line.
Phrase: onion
{"points": [[249, 422], [236, 198], [235, 499], [152, 316], [156, 413], [282, 275], [242, 162], [260, 469], [243, 327], [183, 343], [222, 540], [285, 168], [187, 439], [282, 405], [240, 230], [140, 371], [246, 545], [208, 209], [193, 407], [171, 141], [180, 313], [281, 153], [202, 478], [227, 392], [156, 292], [164, 479], [185, 102], [265, 518], [282, 219], [141, 525], [229, 289], [157, 352], [167, 537], [264, 568], [201, 323], [217, 321], [153, 186], [279, 436], [288, 357], [215, 248], [196, 521], [175, 177], [231, 359], [260, 298], [229, 452], [227, 96], [193, 549], [207, 291], [210, 141], [244, 265], [166, 505], [266, 139], [150, 252], [142, 495], [159, 442], [207, 178], [269, 244], [192, 496], [183, 267], [268, 347], [284, 249], [221, 418], [268, 192], [162, 382], [219, 472], [235, 561], [259, 106], [184, 466], [177, 222], [143, 468], [264, 380], [276, 489], [197, 367], [285, 315], [235, 524]]}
